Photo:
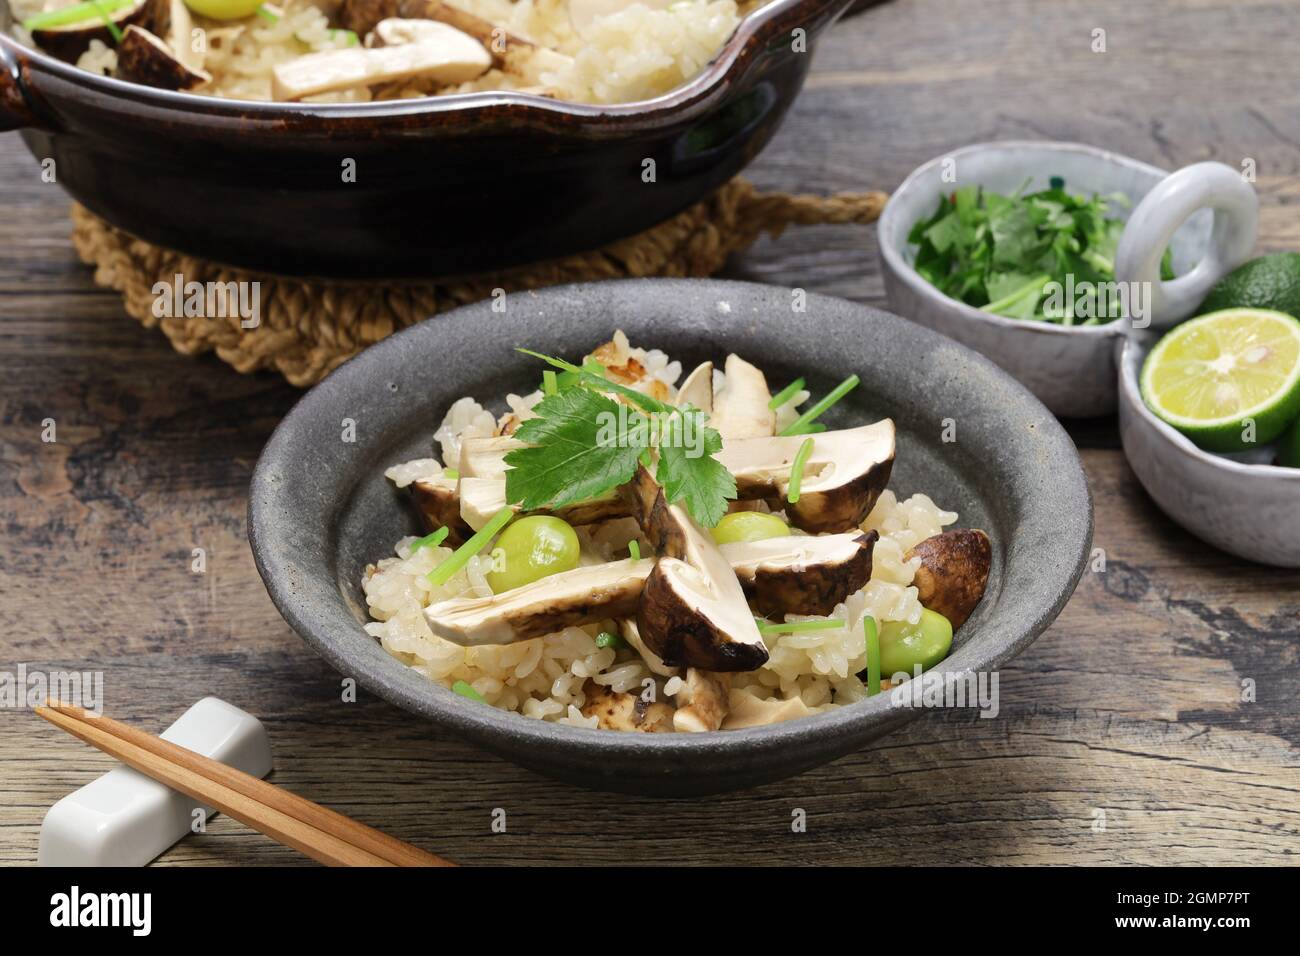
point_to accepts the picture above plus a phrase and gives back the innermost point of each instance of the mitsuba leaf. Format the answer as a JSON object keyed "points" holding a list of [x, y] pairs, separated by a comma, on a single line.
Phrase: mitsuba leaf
{"points": [[581, 445], [692, 477]]}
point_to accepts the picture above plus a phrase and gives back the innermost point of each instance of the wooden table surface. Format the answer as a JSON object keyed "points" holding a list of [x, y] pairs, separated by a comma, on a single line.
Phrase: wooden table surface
{"points": [[1123, 737]]}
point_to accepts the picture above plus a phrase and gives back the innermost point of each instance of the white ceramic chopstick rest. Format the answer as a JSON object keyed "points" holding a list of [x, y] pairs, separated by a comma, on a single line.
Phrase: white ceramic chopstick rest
{"points": [[126, 819]]}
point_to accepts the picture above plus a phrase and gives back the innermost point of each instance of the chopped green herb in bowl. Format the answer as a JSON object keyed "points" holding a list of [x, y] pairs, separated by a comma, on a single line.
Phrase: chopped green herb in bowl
{"points": [[1047, 256]]}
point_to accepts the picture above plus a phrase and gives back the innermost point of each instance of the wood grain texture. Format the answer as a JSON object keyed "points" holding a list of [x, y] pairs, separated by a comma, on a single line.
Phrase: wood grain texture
{"points": [[1128, 712]]}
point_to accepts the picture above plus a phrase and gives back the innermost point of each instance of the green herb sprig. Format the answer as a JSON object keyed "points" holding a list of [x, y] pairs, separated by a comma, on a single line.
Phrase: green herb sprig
{"points": [[1008, 254], [570, 456]]}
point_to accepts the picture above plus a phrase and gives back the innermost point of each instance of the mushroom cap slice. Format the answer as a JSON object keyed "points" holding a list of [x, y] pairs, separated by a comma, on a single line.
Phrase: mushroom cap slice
{"points": [[802, 574], [954, 572], [144, 58], [689, 618], [741, 409], [441, 53], [842, 479], [437, 502], [567, 599], [693, 610]]}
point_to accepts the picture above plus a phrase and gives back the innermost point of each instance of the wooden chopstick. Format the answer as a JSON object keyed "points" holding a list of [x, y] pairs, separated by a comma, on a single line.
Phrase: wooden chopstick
{"points": [[320, 833]]}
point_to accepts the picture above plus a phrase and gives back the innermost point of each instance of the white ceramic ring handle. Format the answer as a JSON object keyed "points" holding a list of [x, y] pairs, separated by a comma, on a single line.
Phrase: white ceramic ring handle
{"points": [[1158, 216]]}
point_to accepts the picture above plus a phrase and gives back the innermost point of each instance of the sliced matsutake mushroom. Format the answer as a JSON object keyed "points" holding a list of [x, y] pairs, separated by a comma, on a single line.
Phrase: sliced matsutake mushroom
{"points": [[697, 390], [842, 478], [439, 53], [584, 13], [740, 409], [773, 569], [747, 710], [481, 498], [439, 506], [146, 59], [568, 599], [69, 41], [954, 572], [702, 701], [693, 611], [802, 574], [618, 710], [510, 51]]}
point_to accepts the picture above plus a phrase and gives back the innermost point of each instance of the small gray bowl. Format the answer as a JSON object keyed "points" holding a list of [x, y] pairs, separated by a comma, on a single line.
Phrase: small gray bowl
{"points": [[320, 509], [1241, 504], [1070, 368]]}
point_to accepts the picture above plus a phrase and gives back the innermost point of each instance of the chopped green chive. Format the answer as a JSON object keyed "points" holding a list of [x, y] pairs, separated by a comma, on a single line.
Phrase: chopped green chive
{"points": [[608, 639], [460, 557], [787, 393], [796, 471], [431, 540], [806, 419], [75, 14], [797, 627], [465, 690], [352, 38], [549, 385], [634, 549], [267, 15], [873, 655], [451, 473], [113, 30]]}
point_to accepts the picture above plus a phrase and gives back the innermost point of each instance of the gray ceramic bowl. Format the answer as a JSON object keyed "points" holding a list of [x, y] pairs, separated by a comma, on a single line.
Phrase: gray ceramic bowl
{"points": [[1071, 369], [1241, 504], [320, 509]]}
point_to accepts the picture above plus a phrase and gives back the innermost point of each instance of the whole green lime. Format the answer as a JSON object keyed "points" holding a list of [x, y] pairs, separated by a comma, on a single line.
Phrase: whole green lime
{"points": [[1269, 282]]}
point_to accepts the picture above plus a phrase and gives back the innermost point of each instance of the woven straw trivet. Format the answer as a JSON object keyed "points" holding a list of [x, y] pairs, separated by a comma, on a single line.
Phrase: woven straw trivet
{"points": [[308, 327]]}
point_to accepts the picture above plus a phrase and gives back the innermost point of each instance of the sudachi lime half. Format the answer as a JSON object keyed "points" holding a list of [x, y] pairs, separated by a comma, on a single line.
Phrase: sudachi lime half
{"points": [[1227, 380]]}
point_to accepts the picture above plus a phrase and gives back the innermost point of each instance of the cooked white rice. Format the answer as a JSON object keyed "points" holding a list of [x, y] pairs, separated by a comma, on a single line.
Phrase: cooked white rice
{"points": [[543, 678], [637, 53]]}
